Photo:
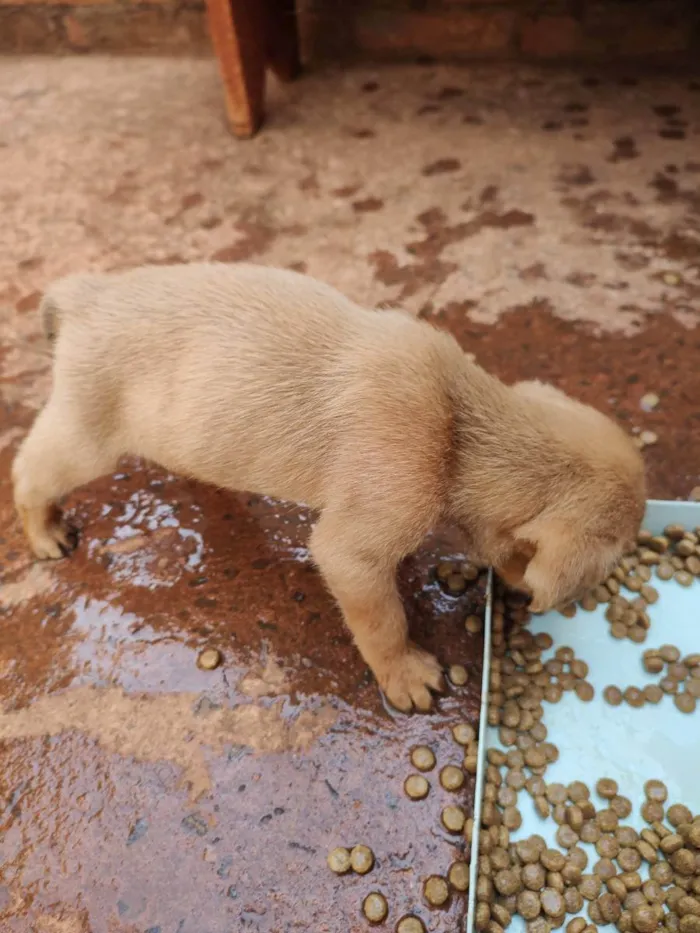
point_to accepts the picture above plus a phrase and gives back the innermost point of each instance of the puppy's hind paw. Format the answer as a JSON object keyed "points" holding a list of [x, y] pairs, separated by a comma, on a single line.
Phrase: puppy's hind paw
{"points": [[49, 537]]}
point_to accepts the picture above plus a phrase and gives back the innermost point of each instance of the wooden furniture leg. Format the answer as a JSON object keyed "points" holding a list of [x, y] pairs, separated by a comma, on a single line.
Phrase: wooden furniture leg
{"points": [[282, 39], [238, 30], [249, 35]]}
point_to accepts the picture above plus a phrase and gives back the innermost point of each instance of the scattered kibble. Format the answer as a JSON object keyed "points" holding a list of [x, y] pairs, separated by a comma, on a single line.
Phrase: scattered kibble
{"points": [[458, 876], [209, 659], [361, 859], [339, 860], [436, 891], [416, 786], [452, 778], [423, 758], [458, 675], [375, 907], [453, 819], [463, 733], [474, 624], [410, 924]]}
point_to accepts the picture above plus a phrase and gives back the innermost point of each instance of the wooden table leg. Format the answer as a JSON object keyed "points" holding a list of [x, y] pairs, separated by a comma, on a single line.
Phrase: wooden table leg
{"points": [[282, 35], [238, 30]]}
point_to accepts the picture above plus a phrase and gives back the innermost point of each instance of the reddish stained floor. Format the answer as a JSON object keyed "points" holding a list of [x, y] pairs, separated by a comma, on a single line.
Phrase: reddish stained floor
{"points": [[549, 221]]}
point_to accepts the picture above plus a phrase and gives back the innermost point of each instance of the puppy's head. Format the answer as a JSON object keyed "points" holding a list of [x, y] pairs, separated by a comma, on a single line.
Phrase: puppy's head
{"points": [[592, 509]]}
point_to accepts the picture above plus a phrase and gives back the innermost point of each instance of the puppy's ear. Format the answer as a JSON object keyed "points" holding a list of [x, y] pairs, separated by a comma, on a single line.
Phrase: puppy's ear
{"points": [[513, 567]]}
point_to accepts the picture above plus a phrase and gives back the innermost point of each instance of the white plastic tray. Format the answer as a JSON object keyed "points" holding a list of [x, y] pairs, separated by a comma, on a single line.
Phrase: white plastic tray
{"points": [[597, 740]]}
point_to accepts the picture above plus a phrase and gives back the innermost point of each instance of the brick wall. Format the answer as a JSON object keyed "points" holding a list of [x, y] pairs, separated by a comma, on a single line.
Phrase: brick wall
{"points": [[667, 31], [663, 31]]}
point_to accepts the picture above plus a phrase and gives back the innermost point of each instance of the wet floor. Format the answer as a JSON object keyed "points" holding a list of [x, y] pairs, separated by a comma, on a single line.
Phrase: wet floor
{"points": [[551, 221], [156, 795]]}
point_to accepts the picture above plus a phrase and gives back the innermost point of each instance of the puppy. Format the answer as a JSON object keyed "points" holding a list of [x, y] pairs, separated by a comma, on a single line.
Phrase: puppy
{"points": [[268, 381]]}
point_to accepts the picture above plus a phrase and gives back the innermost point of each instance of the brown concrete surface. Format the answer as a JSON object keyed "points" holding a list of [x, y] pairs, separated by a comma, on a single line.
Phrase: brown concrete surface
{"points": [[551, 220]]}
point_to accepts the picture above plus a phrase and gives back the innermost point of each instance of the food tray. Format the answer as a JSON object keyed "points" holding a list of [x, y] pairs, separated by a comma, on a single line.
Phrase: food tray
{"points": [[597, 740]]}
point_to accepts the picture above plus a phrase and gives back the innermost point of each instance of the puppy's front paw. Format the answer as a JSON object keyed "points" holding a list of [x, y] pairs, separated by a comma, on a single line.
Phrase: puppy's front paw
{"points": [[408, 679]]}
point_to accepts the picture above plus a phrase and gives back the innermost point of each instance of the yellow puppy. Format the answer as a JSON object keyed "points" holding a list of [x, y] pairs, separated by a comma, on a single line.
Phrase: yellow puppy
{"points": [[267, 381]]}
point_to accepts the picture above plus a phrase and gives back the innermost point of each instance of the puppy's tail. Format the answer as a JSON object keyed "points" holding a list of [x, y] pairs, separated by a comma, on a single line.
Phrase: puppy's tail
{"points": [[50, 317], [68, 296]]}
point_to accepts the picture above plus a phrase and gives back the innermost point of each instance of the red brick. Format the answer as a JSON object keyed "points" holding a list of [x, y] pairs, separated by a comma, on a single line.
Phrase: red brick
{"points": [[653, 29], [551, 37], [453, 34], [29, 30], [138, 28]]}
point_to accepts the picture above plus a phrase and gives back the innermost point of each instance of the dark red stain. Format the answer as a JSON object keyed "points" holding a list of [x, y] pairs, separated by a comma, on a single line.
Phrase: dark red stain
{"points": [[441, 167], [367, 205]]}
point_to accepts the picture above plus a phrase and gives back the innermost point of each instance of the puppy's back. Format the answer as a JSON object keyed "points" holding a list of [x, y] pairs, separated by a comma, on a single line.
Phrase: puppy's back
{"points": [[242, 375]]}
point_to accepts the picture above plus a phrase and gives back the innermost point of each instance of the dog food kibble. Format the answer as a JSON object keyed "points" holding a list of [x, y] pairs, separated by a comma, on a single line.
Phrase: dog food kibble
{"points": [[683, 577], [644, 919], [629, 859], [584, 691], [665, 571], [678, 814], [652, 662], [410, 924], [606, 788], [453, 819], [436, 891], [610, 908], [463, 733], [685, 702], [612, 695], [209, 659], [692, 565], [578, 792], [656, 790], [361, 859], [458, 675], [542, 807], [452, 777], [423, 758], [512, 819], [528, 905], [653, 693], [416, 787], [458, 876], [473, 624], [677, 671], [444, 570], [634, 697], [652, 811], [668, 685], [669, 653], [470, 763], [339, 860], [506, 882], [375, 907], [590, 887]]}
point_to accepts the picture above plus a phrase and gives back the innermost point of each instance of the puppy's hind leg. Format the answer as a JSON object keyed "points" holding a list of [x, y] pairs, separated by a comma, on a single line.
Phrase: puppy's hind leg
{"points": [[57, 455]]}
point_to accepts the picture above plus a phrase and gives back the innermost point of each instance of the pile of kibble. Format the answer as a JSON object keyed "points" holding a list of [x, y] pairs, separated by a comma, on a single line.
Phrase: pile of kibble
{"points": [[641, 881], [674, 555], [644, 881]]}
